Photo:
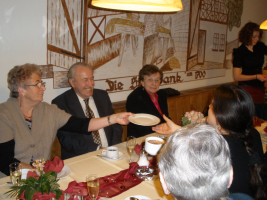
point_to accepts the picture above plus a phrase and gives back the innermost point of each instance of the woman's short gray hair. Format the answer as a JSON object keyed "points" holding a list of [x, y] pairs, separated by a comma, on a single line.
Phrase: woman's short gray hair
{"points": [[18, 75], [195, 163]]}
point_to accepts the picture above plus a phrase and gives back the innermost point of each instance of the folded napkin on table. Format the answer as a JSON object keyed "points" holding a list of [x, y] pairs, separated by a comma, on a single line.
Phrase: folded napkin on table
{"points": [[109, 186], [257, 121], [55, 165], [32, 174], [139, 147], [40, 196]]}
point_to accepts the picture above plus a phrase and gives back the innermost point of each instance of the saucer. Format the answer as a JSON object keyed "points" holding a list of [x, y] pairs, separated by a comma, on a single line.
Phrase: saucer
{"points": [[138, 197], [111, 159], [64, 172]]}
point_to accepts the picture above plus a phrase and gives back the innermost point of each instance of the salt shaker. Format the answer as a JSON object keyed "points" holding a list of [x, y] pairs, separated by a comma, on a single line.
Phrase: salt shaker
{"points": [[143, 159]]}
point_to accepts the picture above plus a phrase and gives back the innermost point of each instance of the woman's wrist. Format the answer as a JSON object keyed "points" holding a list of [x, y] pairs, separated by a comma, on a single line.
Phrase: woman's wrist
{"points": [[111, 119], [256, 76], [109, 122]]}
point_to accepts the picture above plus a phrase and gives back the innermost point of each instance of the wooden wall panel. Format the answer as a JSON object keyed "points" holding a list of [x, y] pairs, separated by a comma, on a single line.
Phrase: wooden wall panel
{"points": [[172, 107]]}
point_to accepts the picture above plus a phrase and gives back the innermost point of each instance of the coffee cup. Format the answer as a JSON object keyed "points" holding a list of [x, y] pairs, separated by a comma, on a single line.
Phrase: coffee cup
{"points": [[153, 145], [111, 152]]}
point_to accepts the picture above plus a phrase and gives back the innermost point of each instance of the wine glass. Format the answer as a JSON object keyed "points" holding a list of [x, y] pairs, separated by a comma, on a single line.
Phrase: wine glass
{"points": [[92, 181], [130, 144], [15, 173]]}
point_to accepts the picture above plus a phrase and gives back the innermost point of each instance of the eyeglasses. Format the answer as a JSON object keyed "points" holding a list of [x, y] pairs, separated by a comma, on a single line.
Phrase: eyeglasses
{"points": [[39, 85]]}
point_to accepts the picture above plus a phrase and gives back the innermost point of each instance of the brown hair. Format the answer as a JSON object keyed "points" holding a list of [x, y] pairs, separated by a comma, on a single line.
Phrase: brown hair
{"points": [[246, 33], [147, 70], [17, 76]]}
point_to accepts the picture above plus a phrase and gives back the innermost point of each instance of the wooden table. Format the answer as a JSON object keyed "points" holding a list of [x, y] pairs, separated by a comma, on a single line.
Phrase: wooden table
{"points": [[90, 163], [263, 135]]}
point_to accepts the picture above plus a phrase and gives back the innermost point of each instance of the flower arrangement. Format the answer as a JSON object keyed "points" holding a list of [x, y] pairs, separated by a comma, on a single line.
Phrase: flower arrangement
{"points": [[37, 186], [39, 165], [192, 117]]}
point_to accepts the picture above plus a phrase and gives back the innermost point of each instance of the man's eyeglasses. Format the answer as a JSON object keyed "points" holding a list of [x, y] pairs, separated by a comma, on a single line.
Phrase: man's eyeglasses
{"points": [[39, 85]]}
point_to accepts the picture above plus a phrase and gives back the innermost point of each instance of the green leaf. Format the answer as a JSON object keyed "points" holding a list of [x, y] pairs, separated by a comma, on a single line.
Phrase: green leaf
{"points": [[29, 194], [58, 193], [185, 121]]}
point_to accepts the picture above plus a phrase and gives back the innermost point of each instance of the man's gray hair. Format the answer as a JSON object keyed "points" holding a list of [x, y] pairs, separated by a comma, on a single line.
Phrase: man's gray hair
{"points": [[195, 163], [71, 72]]}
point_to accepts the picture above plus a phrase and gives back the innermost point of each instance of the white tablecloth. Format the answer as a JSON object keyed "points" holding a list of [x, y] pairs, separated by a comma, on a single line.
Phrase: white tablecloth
{"points": [[90, 163]]}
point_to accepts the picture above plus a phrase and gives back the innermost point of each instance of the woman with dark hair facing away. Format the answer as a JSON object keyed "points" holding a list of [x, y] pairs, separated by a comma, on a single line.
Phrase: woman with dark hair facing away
{"points": [[231, 113], [148, 99], [248, 60]]}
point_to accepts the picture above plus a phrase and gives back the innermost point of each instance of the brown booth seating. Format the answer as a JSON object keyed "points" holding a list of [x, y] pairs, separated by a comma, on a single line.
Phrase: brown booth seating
{"points": [[194, 99]]}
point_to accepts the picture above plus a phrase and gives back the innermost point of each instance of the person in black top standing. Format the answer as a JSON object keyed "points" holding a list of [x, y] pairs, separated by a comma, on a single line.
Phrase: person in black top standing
{"points": [[248, 60]]}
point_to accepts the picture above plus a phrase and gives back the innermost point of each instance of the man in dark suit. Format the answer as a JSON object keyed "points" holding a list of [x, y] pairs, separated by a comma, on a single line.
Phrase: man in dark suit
{"points": [[81, 79]]}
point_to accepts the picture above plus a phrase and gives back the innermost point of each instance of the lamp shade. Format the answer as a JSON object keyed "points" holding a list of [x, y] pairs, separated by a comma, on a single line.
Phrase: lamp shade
{"points": [[264, 25], [140, 5]]}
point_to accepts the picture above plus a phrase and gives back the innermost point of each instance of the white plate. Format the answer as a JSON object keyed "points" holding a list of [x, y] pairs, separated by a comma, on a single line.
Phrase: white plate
{"points": [[64, 172], [144, 119], [110, 159], [139, 197]]}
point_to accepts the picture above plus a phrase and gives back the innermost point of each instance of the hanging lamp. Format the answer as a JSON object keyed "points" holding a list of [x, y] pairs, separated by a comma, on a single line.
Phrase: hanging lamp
{"points": [[140, 5], [264, 25]]}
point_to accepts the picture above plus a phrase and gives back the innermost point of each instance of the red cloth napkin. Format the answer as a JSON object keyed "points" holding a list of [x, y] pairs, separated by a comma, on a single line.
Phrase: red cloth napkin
{"points": [[139, 147], [55, 165], [40, 196], [257, 121], [111, 185], [32, 174]]}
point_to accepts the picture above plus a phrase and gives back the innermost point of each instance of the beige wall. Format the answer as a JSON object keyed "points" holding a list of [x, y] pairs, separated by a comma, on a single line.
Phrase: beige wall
{"points": [[23, 40]]}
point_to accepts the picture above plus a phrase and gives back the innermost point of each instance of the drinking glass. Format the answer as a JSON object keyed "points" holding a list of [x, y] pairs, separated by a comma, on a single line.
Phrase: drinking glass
{"points": [[130, 144], [15, 173], [92, 186]]}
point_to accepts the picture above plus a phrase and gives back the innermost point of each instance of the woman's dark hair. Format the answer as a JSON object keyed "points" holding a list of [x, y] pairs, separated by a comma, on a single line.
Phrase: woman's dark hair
{"points": [[147, 70], [246, 33], [234, 110]]}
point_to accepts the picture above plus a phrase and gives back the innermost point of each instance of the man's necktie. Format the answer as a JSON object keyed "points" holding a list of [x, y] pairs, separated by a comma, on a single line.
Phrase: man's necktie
{"points": [[90, 114]]}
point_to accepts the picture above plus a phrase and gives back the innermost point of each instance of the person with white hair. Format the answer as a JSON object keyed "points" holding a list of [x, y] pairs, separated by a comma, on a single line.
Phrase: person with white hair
{"points": [[195, 164]]}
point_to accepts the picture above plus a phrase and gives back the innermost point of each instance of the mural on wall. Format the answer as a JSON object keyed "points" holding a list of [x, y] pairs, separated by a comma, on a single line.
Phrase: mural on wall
{"points": [[188, 45], [235, 8]]}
